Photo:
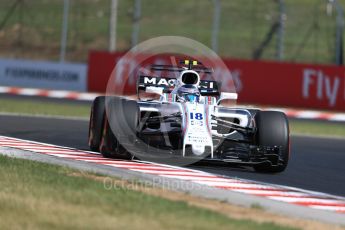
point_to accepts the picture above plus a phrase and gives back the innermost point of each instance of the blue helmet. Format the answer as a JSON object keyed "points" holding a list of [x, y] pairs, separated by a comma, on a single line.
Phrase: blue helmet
{"points": [[188, 93]]}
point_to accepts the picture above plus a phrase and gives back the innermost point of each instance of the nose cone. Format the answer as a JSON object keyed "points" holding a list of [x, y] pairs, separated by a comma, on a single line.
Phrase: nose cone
{"points": [[198, 150]]}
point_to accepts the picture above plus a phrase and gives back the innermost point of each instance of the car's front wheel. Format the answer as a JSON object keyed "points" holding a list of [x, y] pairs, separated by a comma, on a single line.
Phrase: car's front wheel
{"points": [[96, 123], [119, 130], [110, 146]]}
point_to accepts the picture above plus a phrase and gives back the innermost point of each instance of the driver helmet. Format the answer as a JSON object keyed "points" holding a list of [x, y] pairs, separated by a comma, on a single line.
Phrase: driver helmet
{"points": [[189, 93]]}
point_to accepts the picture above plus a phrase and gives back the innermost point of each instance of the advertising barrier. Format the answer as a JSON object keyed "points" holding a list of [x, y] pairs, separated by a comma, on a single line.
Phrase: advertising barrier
{"points": [[42, 74], [257, 82]]}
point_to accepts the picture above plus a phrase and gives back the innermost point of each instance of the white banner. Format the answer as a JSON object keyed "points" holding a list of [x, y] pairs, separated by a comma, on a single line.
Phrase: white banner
{"points": [[43, 74]]}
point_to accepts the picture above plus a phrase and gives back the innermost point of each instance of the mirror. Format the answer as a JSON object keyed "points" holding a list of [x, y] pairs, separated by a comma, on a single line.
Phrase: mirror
{"points": [[227, 96]]}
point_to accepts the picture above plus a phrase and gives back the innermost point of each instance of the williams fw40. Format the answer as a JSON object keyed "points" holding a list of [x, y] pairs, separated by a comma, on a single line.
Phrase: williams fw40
{"points": [[188, 122]]}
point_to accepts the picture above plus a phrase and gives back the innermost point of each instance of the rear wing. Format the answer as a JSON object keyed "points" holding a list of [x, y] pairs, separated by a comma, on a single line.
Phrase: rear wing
{"points": [[206, 87]]}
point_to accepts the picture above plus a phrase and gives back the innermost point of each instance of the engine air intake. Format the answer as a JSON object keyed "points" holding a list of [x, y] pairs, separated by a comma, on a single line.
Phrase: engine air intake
{"points": [[190, 78]]}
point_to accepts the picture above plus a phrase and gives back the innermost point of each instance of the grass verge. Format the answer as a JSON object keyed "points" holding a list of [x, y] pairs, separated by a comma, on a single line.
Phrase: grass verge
{"points": [[37, 107], [42, 107], [42, 196], [317, 128]]}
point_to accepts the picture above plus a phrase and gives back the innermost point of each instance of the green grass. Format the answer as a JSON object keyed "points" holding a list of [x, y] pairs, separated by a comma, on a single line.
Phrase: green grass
{"points": [[257, 206], [318, 128], [40, 196], [243, 26], [36, 107]]}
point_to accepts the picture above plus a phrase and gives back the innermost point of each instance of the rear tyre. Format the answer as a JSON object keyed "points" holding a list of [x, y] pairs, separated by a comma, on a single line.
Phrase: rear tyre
{"points": [[96, 123], [273, 130]]}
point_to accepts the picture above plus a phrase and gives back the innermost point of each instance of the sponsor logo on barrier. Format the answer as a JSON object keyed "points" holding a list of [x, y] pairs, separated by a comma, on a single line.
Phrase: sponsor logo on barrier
{"points": [[41, 74], [37, 73], [326, 87]]}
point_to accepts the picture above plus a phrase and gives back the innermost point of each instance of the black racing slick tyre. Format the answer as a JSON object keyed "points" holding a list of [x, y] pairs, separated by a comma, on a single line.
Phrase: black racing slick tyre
{"points": [[123, 116], [110, 146], [119, 128], [96, 123], [273, 130]]}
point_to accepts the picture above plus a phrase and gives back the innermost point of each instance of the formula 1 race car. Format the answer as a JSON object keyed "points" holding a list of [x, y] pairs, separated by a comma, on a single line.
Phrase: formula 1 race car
{"points": [[188, 122]]}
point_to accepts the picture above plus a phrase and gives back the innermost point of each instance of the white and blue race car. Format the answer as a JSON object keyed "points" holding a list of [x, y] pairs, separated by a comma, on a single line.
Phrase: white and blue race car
{"points": [[188, 123]]}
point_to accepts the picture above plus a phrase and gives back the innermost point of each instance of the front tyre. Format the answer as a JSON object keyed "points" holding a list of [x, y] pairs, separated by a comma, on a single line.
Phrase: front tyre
{"points": [[119, 131], [96, 123], [273, 130], [110, 146]]}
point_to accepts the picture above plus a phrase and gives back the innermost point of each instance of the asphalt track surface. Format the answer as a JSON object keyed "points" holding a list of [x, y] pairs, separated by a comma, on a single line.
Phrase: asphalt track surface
{"points": [[316, 164]]}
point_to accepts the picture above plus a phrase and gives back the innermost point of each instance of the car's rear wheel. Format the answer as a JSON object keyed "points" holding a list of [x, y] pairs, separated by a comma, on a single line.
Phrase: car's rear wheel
{"points": [[273, 130], [96, 123]]}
